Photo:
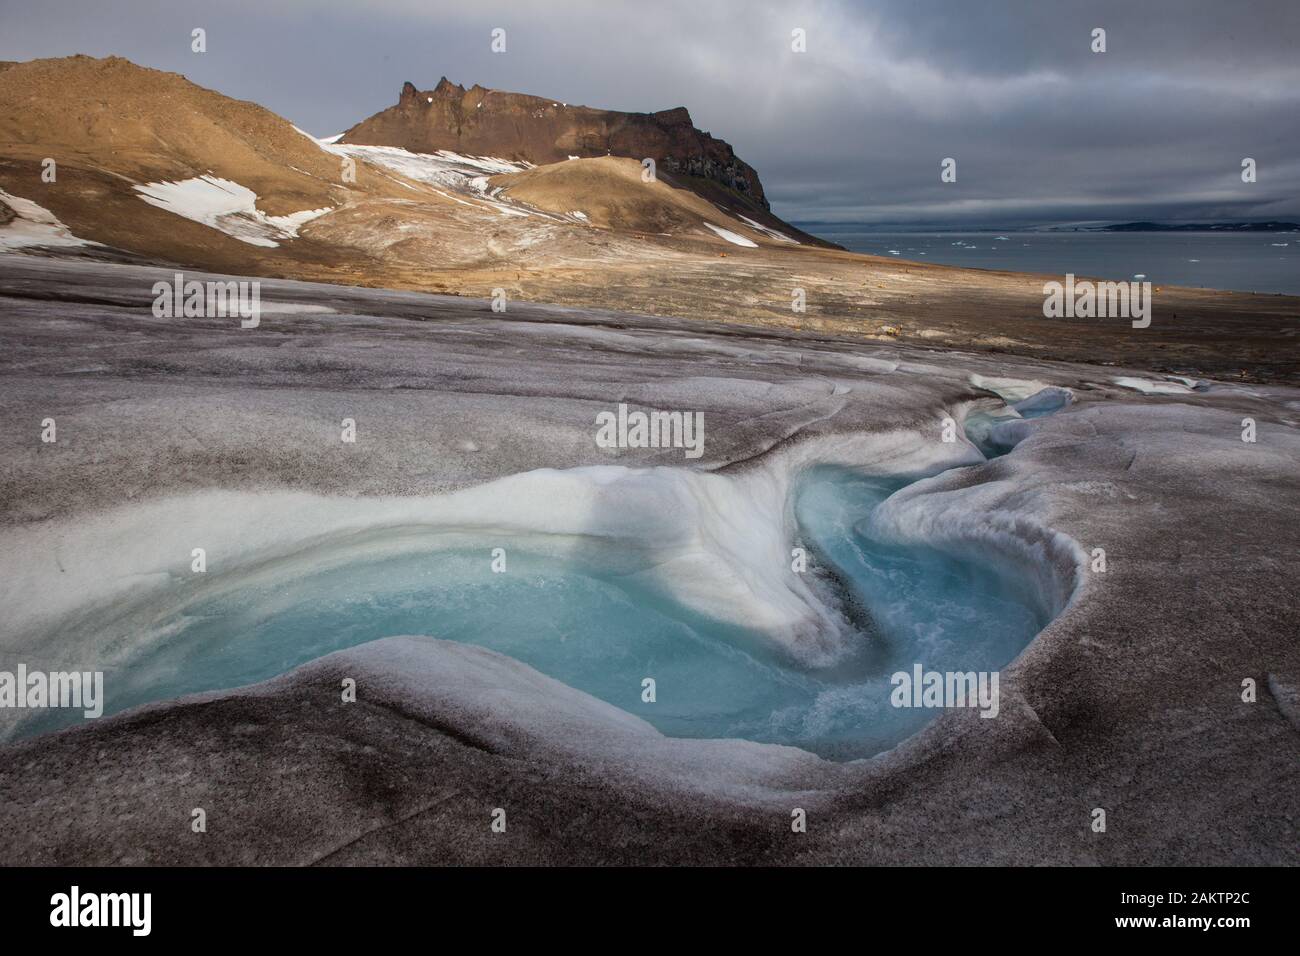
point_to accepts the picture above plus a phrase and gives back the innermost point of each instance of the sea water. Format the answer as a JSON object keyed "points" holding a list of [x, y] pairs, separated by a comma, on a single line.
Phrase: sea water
{"points": [[1267, 262]]}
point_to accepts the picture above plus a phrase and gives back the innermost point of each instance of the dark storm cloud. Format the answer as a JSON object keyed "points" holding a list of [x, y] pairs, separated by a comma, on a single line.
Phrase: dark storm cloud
{"points": [[1042, 128]]}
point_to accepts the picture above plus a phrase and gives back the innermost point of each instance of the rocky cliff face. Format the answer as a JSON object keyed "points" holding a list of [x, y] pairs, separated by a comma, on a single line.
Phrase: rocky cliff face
{"points": [[484, 122]]}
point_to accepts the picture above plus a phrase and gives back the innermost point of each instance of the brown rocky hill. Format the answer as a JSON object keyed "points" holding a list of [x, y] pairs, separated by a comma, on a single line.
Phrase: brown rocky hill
{"points": [[111, 115], [112, 127], [611, 195], [515, 126], [152, 165]]}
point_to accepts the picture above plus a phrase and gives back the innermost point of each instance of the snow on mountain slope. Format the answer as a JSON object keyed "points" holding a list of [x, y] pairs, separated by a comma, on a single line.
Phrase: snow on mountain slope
{"points": [[32, 225], [731, 237], [227, 206]]}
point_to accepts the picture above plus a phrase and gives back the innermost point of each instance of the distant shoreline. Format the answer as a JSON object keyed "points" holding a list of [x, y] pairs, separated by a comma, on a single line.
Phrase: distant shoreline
{"points": [[815, 226]]}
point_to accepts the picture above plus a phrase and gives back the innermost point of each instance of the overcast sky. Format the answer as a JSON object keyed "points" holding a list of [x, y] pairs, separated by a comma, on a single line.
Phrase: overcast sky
{"points": [[855, 129]]}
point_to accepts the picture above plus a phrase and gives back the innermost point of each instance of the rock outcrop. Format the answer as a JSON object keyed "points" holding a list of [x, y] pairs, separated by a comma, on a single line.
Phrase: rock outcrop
{"points": [[516, 126]]}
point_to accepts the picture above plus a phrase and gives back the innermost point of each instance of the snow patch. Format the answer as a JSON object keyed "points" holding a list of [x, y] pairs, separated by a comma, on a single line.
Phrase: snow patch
{"points": [[732, 237], [770, 233], [228, 207], [35, 226], [443, 168], [450, 171]]}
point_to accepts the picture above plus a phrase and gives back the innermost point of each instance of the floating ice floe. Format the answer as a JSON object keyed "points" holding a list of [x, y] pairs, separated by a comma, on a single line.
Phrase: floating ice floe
{"points": [[34, 226], [732, 237], [228, 207]]}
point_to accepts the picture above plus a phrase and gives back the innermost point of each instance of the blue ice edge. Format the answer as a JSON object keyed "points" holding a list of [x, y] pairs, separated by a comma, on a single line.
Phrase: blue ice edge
{"points": [[602, 634]]}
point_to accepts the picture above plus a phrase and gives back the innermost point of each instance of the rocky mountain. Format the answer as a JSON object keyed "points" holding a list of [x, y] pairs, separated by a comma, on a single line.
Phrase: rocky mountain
{"points": [[105, 159], [111, 117], [516, 126]]}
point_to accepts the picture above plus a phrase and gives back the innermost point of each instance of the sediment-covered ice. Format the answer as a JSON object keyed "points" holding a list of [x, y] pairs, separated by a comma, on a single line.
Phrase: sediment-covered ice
{"points": [[1149, 386], [1139, 677], [1010, 390], [514, 709], [1044, 402]]}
